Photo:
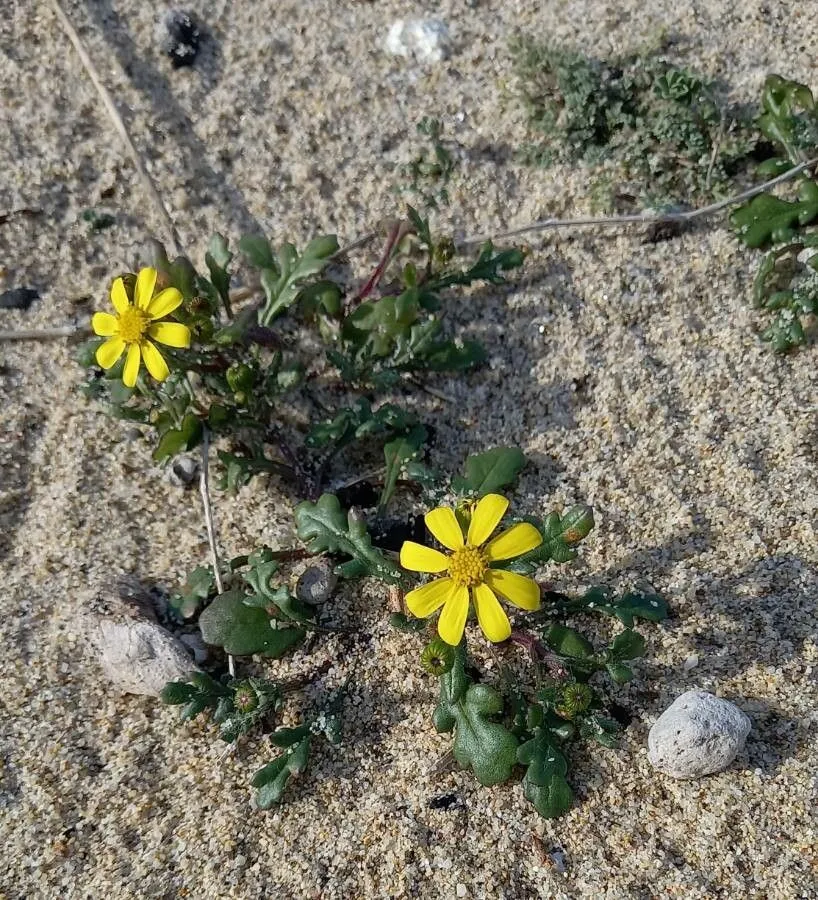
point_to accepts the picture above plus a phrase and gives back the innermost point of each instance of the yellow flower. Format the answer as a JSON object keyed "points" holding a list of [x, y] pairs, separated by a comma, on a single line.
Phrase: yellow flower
{"points": [[469, 570], [133, 325]]}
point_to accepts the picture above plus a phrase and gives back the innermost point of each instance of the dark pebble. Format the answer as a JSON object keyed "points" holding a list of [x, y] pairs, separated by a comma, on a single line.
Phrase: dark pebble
{"points": [[18, 298], [180, 38]]}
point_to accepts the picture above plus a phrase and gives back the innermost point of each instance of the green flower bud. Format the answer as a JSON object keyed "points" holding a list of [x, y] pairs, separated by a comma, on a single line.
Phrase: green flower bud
{"points": [[437, 657], [245, 698], [576, 698]]}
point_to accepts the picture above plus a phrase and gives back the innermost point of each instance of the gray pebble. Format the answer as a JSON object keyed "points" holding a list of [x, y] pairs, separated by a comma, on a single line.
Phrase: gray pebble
{"points": [[697, 735], [140, 657], [183, 471], [316, 584]]}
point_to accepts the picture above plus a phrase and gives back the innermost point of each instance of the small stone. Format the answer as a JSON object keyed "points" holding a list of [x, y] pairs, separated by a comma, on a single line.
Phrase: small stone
{"points": [[140, 657], [316, 584], [697, 735], [427, 40], [178, 36], [461, 889], [196, 645], [18, 298], [184, 471], [691, 662]]}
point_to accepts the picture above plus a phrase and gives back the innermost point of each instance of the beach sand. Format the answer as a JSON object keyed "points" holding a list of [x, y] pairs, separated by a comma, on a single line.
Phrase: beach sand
{"points": [[629, 373]]}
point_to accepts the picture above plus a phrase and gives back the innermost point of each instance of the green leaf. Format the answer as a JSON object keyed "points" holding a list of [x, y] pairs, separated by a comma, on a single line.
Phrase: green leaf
{"points": [[397, 453], [282, 283], [544, 783], [767, 218], [489, 472], [489, 266], [244, 630], [619, 672], [263, 566], [401, 622], [257, 249], [195, 591], [561, 534], [627, 645], [568, 642], [199, 693], [486, 747], [361, 421], [603, 731], [634, 605], [177, 440], [218, 259], [274, 777], [640, 605], [325, 528]]}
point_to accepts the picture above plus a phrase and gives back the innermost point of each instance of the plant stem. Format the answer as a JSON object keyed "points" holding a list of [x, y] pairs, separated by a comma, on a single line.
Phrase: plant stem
{"points": [[204, 487]]}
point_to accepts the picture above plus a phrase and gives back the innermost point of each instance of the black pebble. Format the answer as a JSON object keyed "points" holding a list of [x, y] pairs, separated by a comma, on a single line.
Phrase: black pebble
{"points": [[18, 298], [620, 714], [181, 38], [444, 801]]}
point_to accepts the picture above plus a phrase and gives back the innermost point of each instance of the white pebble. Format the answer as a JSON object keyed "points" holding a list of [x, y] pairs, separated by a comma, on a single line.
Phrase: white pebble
{"points": [[697, 735], [427, 40]]}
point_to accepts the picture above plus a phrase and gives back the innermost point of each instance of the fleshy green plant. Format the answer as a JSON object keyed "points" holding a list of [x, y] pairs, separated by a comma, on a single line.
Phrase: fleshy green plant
{"points": [[786, 284], [235, 373], [516, 723]]}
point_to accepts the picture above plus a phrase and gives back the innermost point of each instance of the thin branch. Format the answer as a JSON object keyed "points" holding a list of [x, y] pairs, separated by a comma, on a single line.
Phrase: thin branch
{"points": [[641, 218], [20, 211], [119, 125], [396, 232], [44, 334], [542, 225], [204, 487]]}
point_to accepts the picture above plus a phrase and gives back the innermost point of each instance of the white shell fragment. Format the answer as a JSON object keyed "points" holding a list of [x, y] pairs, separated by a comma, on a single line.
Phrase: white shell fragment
{"points": [[697, 735], [427, 40]]}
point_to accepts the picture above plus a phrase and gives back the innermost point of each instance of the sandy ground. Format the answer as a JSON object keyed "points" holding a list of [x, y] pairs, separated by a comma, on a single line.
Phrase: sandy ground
{"points": [[629, 373]]}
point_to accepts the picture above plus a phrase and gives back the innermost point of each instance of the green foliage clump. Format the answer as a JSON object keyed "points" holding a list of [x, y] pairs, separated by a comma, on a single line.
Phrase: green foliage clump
{"points": [[786, 284], [647, 121], [498, 728], [244, 371]]}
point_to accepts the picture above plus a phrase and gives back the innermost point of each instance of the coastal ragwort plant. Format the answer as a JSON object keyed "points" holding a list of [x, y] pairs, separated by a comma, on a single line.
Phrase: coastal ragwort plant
{"points": [[284, 385], [516, 723]]}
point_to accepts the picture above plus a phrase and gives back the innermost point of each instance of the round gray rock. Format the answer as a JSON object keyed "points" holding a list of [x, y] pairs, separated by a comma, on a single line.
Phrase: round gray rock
{"points": [[697, 735], [317, 583]]}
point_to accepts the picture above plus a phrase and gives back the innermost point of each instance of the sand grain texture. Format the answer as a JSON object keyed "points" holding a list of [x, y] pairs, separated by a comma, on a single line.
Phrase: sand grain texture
{"points": [[628, 373]]}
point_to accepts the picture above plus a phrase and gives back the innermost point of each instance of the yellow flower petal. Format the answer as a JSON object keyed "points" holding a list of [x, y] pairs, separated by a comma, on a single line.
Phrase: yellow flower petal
{"points": [[490, 614], [104, 324], [171, 333], [517, 589], [145, 283], [164, 303], [108, 353], [423, 601], [154, 361], [131, 369], [443, 524], [418, 558], [119, 296], [452, 620], [486, 517], [513, 542]]}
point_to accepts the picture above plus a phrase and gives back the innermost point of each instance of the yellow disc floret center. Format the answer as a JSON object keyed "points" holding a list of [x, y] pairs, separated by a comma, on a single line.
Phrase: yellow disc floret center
{"points": [[133, 323], [466, 566]]}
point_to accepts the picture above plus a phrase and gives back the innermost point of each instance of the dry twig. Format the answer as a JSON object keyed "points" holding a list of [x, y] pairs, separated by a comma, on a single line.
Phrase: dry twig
{"points": [[119, 125]]}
